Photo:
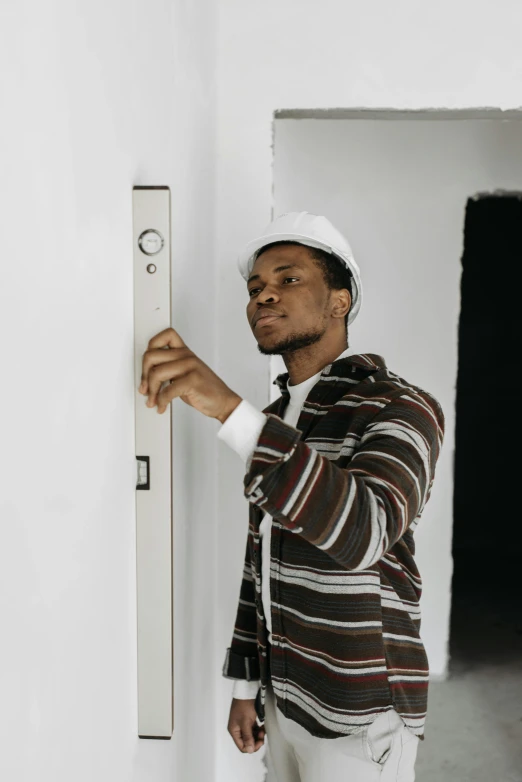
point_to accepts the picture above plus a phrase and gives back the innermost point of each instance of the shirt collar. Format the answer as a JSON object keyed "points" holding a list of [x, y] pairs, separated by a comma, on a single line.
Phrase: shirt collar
{"points": [[344, 366]]}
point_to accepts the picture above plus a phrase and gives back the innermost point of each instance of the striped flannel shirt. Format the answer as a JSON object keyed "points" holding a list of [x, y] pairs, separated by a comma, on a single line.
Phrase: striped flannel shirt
{"points": [[345, 490]]}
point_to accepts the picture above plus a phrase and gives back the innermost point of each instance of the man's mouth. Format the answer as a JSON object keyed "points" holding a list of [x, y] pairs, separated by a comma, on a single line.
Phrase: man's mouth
{"points": [[266, 320]]}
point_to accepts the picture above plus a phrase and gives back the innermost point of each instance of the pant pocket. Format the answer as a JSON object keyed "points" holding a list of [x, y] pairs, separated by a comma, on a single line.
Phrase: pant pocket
{"points": [[378, 739]]}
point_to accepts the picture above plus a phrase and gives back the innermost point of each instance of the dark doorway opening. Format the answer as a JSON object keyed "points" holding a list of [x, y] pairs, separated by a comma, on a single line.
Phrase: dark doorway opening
{"points": [[486, 619]]}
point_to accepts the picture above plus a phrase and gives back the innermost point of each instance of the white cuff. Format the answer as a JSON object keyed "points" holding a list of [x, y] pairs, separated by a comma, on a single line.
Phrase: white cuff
{"points": [[242, 428], [244, 689]]}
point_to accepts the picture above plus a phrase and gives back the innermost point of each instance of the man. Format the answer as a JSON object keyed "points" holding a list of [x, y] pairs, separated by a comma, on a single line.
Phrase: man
{"points": [[326, 650]]}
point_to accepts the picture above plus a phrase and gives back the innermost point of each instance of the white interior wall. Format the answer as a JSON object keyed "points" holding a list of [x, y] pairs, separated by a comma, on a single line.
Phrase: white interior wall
{"points": [[323, 56], [98, 97], [398, 190]]}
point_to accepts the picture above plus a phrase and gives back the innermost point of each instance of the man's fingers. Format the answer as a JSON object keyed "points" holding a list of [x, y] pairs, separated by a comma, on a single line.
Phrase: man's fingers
{"points": [[243, 727], [235, 732], [167, 338], [160, 350], [161, 366], [247, 735], [154, 356], [243, 737]]}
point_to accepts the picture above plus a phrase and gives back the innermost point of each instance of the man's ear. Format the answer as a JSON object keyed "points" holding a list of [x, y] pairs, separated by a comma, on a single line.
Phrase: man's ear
{"points": [[344, 302]]}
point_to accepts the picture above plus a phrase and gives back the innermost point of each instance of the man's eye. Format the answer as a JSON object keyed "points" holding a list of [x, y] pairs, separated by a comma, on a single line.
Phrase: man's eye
{"points": [[253, 290]]}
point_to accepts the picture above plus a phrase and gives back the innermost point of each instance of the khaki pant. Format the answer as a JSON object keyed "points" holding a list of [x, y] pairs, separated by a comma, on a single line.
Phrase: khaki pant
{"points": [[384, 751]]}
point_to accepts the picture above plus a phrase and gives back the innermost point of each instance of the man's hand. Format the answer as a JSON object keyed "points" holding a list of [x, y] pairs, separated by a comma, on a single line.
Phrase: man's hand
{"points": [[242, 726], [169, 359]]}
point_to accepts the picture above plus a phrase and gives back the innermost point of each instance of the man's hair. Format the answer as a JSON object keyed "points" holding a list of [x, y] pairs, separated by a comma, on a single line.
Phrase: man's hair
{"points": [[335, 274]]}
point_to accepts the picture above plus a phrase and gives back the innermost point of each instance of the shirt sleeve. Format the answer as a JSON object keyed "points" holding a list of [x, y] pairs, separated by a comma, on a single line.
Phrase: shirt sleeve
{"points": [[242, 428], [245, 690], [358, 512]]}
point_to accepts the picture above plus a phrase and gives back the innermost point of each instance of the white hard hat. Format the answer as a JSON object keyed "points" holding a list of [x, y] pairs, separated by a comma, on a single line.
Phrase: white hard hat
{"points": [[314, 231]]}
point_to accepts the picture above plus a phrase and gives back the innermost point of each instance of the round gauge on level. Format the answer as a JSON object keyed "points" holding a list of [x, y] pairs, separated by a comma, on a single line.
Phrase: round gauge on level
{"points": [[150, 241]]}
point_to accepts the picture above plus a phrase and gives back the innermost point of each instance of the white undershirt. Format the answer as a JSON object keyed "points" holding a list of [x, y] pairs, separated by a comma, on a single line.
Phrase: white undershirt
{"points": [[241, 432]]}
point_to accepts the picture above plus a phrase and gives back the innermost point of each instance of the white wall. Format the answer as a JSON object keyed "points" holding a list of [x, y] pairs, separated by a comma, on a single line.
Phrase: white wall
{"points": [[98, 97], [328, 55]]}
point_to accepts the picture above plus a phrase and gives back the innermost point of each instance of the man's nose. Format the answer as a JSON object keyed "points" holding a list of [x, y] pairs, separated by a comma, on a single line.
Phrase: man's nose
{"points": [[268, 294]]}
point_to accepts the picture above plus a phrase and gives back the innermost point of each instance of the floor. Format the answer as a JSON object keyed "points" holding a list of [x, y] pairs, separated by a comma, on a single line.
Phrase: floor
{"points": [[474, 725]]}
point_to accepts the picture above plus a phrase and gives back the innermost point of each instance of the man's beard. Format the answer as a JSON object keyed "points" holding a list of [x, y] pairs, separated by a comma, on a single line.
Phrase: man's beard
{"points": [[291, 343]]}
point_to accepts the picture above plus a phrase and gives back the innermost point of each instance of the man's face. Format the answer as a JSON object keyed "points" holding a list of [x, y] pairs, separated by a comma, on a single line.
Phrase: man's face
{"points": [[297, 295]]}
